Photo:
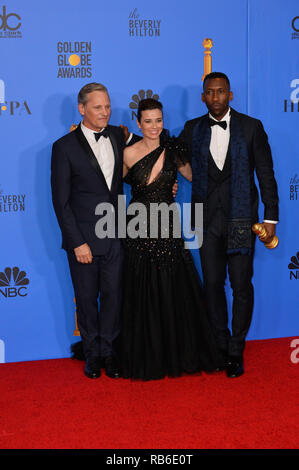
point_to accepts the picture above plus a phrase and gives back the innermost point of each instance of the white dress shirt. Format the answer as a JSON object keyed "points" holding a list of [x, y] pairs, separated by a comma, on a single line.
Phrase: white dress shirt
{"points": [[219, 145], [220, 141], [103, 152]]}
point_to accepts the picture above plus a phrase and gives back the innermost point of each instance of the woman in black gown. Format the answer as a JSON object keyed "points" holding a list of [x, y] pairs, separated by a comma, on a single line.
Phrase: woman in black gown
{"points": [[165, 329]]}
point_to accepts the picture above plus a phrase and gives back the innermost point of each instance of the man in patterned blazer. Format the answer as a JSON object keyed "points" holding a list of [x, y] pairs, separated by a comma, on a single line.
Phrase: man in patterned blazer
{"points": [[227, 149]]}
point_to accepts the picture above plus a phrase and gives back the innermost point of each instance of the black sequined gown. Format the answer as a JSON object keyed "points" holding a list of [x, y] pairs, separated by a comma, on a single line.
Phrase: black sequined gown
{"points": [[165, 330]]}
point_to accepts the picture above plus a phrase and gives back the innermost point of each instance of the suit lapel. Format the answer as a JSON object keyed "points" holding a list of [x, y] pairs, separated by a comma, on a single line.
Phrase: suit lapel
{"points": [[89, 153], [240, 169], [116, 157], [234, 136], [237, 144], [205, 137], [201, 136]]}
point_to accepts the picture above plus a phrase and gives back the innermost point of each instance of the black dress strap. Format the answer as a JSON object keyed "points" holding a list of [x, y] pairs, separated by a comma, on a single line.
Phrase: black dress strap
{"points": [[141, 170]]}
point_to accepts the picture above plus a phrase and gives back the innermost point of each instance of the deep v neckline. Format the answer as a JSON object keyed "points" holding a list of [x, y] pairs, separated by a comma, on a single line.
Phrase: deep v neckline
{"points": [[148, 180]]}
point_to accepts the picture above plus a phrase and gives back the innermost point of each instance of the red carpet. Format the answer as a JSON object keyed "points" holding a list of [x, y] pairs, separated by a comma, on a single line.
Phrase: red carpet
{"points": [[51, 405]]}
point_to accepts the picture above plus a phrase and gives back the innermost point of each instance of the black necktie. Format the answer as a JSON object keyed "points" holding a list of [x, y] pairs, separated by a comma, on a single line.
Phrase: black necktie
{"points": [[222, 124], [103, 133]]}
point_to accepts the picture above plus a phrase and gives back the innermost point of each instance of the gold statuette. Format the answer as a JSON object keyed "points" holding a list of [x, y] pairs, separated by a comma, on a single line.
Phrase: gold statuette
{"points": [[262, 233], [77, 331], [207, 62], [73, 127]]}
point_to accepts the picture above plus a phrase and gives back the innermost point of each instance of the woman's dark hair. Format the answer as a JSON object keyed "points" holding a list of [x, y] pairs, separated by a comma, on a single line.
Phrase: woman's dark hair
{"points": [[146, 104]]}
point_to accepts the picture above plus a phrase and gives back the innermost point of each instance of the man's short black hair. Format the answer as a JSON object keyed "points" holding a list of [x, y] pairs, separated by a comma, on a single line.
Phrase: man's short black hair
{"points": [[212, 75]]}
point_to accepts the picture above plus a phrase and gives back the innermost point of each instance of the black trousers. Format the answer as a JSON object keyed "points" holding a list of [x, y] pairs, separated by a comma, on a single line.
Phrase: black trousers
{"points": [[215, 265], [99, 281]]}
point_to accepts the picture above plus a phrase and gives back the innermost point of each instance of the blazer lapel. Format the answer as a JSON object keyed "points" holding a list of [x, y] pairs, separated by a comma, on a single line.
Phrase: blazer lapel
{"points": [[201, 137], [116, 157], [89, 153], [238, 148], [240, 170]]}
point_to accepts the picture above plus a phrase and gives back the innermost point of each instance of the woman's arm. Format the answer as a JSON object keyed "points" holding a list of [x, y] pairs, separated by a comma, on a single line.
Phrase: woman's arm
{"points": [[126, 167]]}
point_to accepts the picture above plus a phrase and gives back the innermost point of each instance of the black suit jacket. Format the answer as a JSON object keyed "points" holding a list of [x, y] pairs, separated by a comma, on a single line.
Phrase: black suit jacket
{"points": [[78, 186], [260, 162]]}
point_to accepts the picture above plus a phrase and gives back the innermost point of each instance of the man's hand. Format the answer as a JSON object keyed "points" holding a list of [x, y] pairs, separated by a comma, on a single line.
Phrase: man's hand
{"points": [[270, 230], [175, 188], [126, 132], [83, 254]]}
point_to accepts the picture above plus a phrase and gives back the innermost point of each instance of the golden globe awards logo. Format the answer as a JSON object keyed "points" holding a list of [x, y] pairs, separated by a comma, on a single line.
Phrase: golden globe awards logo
{"points": [[10, 24], [143, 27], [74, 59], [136, 98]]}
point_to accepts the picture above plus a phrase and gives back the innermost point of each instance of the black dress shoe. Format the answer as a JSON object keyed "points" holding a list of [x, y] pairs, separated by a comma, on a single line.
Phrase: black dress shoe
{"points": [[77, 351], [92, 368], [234, 367], [111, 367]]}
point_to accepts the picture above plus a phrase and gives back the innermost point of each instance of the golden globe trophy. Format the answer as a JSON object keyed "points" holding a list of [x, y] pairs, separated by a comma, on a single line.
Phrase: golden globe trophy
{"points": [[262, 233], [76, 331], [207, 62]]}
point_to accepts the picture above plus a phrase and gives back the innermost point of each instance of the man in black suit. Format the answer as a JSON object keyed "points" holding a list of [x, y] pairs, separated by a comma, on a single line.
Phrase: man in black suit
{"points": [[227, 148], [87, 169]]}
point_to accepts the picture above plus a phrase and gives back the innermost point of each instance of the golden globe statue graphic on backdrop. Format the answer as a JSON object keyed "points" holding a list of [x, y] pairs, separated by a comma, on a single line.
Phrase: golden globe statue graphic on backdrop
{"points": [[76, 330], [207, 61]]}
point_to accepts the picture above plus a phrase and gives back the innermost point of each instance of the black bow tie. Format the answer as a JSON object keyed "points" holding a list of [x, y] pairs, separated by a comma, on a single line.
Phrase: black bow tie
{"points": [[103, 133], [222, 124]]}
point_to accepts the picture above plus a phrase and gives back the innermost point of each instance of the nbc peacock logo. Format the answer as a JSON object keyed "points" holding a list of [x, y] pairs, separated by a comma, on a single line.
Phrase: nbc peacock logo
{"points": [[294, 267], [13, 283], [136, 98]]}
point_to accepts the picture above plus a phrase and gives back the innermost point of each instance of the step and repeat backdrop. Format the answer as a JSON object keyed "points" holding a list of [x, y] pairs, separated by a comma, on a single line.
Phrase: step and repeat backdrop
{"points": [[49, 50]]}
